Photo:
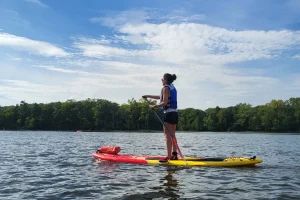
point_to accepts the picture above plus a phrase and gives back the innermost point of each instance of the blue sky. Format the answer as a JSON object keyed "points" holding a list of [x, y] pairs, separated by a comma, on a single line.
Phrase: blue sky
{"points": [[223, 52]]}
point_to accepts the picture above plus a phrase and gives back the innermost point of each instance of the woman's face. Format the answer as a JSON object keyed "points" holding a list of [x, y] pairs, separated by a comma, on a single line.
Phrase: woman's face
{"points": [[164, 81]]}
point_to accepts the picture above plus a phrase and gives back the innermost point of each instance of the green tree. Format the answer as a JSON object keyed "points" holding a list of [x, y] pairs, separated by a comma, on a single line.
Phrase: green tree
{"points": [[105, 115], [191, 120], [100, 114], [211, 119]]}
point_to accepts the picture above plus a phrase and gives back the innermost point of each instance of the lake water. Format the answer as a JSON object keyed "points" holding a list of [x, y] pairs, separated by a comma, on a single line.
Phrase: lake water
{"points": [[59, 165]]}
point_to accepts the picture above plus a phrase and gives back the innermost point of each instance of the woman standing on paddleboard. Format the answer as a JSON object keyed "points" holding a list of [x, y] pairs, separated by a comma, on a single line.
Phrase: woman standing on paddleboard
{"points": [[168, 102]]}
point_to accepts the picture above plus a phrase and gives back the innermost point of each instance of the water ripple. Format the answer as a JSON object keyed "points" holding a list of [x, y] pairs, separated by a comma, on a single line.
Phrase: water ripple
{"points": [[58, 165]]}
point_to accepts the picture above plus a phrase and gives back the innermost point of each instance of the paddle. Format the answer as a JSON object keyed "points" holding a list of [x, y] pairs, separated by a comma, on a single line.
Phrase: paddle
{"points": [[169, 133]]}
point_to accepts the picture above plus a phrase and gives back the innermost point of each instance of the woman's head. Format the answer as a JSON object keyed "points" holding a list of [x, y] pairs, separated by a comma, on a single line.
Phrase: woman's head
{"points": [[168, 78]]}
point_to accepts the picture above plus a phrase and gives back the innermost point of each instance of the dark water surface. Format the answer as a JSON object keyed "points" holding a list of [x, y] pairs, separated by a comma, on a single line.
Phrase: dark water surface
{"points": [[59, 165]]}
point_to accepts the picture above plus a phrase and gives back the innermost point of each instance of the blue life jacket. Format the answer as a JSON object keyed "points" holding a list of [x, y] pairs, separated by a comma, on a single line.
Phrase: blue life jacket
{"points": [[172, 100]]}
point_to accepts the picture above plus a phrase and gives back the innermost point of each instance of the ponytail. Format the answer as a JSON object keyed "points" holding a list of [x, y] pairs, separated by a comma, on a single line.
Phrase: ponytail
{"points": [[170, 78]]}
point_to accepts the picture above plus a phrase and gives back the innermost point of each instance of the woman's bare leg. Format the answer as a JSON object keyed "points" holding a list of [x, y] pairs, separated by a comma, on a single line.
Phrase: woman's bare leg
{"points": [[169, 142], [173, 130]]}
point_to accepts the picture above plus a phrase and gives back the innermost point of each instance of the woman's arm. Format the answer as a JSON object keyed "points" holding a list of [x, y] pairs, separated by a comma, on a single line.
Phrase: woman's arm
{"points": [[151, 96], [165, 98]]}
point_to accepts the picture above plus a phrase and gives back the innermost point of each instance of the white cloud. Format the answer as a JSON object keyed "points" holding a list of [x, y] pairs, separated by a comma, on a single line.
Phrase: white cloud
{"points": [[192, 43], [68, 71], [14, 58], [182, 15], [202, 43], [31, 46], [119, 19], [200, 54], [38, 2], [111, 80], [98, 50], [18, 90], [198, 48], [297, 56]]}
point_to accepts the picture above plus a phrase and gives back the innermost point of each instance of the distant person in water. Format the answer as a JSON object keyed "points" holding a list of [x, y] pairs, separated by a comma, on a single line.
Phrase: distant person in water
{"points": [[168, 103]]}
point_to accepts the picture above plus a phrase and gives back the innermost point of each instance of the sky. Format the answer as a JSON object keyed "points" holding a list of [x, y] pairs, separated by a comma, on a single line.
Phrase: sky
{"points": [[222, 52]]}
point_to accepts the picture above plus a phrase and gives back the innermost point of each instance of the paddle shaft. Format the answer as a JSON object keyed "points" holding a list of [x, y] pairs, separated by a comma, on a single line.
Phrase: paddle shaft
{"points": [[169, 133]]}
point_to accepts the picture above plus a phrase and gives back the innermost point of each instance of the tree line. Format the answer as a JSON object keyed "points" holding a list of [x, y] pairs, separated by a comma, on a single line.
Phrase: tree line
{"points": [[104, 115]]}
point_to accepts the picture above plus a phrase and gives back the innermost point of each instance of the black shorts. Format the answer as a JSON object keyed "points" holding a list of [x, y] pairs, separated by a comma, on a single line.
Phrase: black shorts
{"points": [[171, 117]]}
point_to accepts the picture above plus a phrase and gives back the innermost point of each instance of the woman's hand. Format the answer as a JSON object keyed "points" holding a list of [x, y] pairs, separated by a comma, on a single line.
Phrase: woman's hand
{"points": [[152, 107]]}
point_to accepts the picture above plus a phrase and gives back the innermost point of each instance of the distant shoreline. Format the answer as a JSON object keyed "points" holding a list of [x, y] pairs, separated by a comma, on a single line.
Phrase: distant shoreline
{"points": [[100, 115], [155, 131]]}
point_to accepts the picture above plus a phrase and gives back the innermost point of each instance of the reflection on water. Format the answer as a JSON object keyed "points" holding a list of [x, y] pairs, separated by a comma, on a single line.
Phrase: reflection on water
{"points": [[106, 166], [166, 187], [170, 183]]}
